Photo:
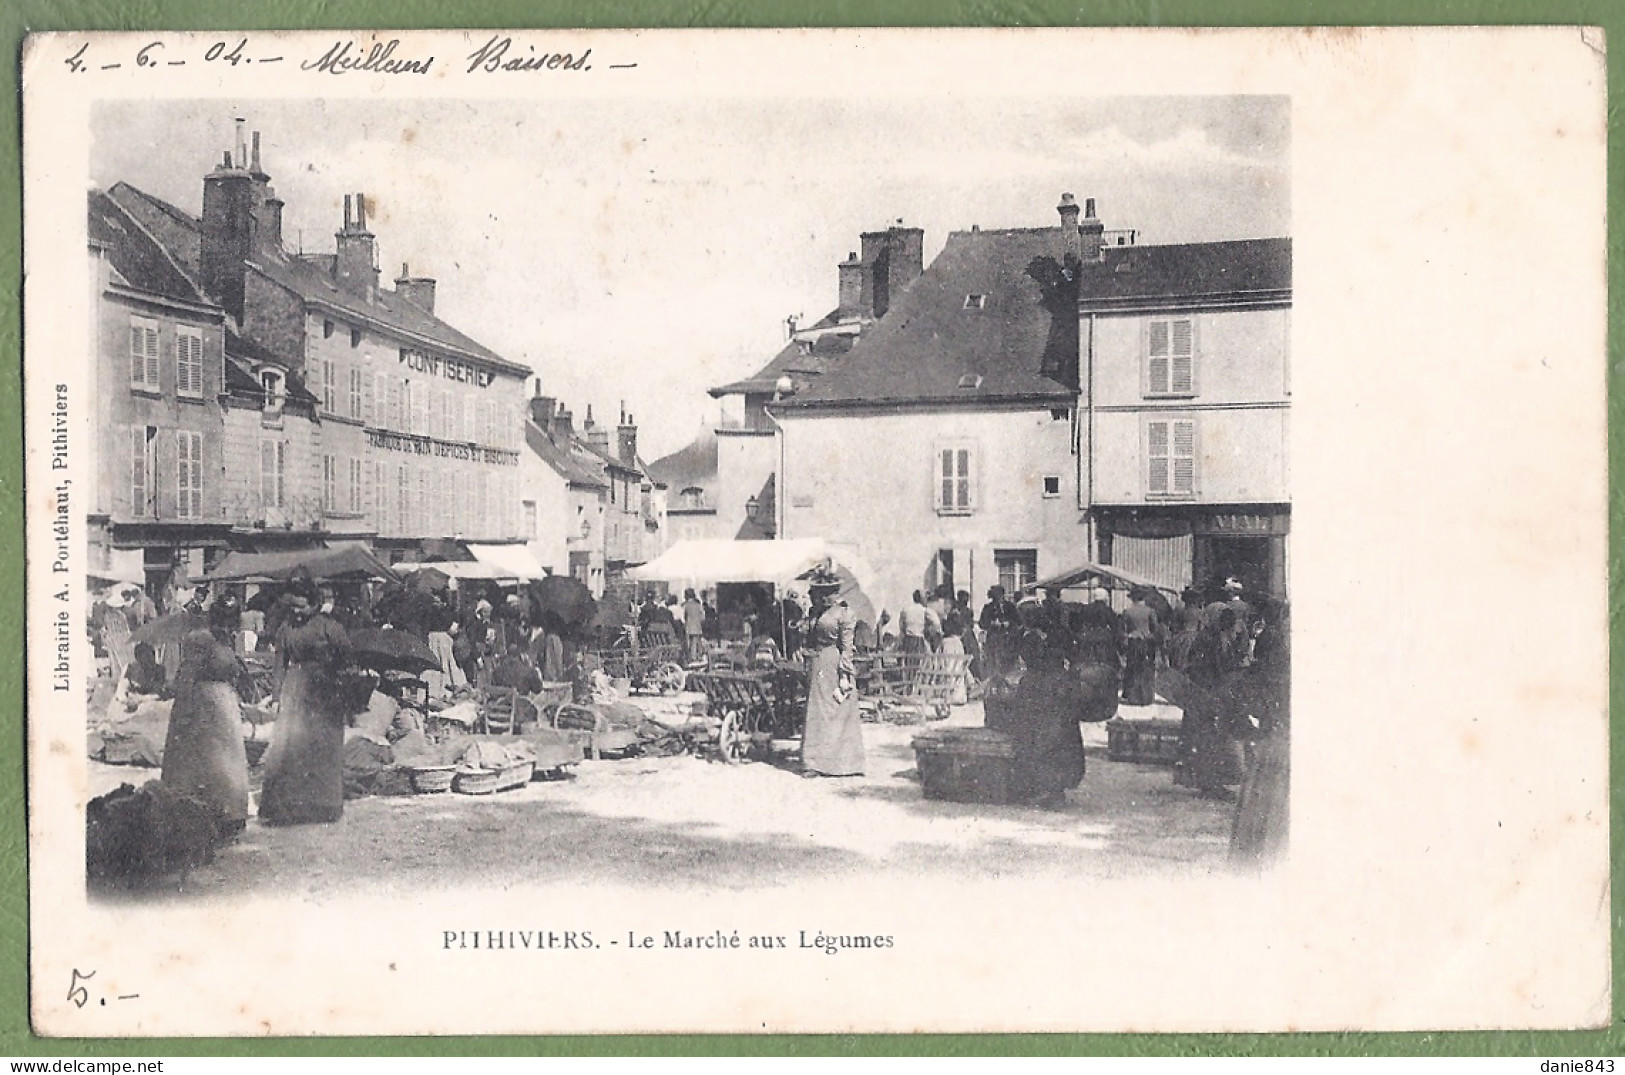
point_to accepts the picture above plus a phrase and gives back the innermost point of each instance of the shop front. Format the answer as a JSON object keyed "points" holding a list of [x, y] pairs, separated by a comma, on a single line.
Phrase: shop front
{"points": [[1198, 545]]}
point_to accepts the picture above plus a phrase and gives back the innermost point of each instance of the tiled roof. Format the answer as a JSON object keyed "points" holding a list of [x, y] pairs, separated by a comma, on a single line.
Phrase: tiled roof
{"points": [[804, 365], [570, 461], [935, 347], [311, 282], [310, 277], [243, 354], [1239, 270], [140, 261], [693, 466]]}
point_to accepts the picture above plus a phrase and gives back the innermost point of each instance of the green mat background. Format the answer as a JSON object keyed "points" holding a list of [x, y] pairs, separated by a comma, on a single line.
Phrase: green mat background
{"points": [[21, 16]]}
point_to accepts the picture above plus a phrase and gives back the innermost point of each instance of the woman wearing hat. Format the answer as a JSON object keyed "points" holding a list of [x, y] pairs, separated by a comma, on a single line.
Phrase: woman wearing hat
{"points": [[832, 741], [304, 768], [203, 749], [114, 623]]}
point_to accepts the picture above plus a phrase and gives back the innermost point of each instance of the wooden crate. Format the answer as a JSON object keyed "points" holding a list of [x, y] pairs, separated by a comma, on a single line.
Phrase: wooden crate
{"points": [[968, 765], [1153, 742]]}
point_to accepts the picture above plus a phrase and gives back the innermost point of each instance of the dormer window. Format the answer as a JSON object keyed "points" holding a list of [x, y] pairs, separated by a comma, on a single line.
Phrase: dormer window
{"points": [[975, 301], [971, 380], [275, 385]]}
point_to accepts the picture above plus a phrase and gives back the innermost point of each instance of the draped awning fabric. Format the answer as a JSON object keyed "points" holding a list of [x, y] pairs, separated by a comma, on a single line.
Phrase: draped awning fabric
{"points": [[712, 561], [459, 569], [350, 561], [513, 561], [1089, 572]]}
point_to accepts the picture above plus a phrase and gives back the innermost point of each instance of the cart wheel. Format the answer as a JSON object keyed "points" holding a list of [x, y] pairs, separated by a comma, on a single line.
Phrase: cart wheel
{"points": [[732, 742]]}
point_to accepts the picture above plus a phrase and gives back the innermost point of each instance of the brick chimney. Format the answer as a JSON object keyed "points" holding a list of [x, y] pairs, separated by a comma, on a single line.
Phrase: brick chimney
{"points": [[892, 260], [356, 267], [596, 436], [418, 290], [1071, 245], [542, 409], [564, 426], [1091, 233], [851, 280], [242, 216], [626, 439]]}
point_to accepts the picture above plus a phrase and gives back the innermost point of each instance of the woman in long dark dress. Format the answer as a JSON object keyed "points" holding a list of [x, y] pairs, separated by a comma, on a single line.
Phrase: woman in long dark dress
{"points": [[1210, 754], [203, 748], [1260, 831], [1040, 714], [304, 768], [832, 741]]}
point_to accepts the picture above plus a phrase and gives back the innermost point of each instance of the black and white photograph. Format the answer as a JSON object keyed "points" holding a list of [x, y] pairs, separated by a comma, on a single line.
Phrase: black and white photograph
{"points": [[738, 532], [991, 553]]}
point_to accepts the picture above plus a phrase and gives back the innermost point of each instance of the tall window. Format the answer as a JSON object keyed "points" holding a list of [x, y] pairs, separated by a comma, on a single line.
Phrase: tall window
{"points": [[330, 483], [427, 508], [403, 499], [188, 474], [529, 522], [273, 481], [380, 399], [446, 402], [189, 361], [143, 353], [1170, 457], [1170, 357], [481, 503], [330, 387], [1016, 568], [955, 479], [354, 499], [407, 414], [381, 499], [356, 378], [143, 471]]}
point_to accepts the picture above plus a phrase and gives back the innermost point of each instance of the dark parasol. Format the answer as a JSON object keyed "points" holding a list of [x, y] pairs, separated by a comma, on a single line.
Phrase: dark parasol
{"points": [[385, 649], [565, 597]]}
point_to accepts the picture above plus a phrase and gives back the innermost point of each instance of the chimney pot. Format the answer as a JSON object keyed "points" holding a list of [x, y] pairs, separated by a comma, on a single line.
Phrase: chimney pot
{"points": [[361, 211], [242, 146], [1089, 207], [347, 212], [254, 163]]}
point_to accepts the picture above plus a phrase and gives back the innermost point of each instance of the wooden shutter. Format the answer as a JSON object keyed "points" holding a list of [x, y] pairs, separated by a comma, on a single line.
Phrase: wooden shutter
{"points": [[140, 471], [357, 392], [1156, 363], [144, 353], [1182, 358], [378, 405], [188, 474], [1156, 462], [188, 364], [1183, 456], [945, 479]]}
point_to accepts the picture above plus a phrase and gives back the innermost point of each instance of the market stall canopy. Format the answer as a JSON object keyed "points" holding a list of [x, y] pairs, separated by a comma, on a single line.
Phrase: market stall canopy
{"points": [[1089, 573], [458, 569], [704, 562], [346, 563], [514, 561]]}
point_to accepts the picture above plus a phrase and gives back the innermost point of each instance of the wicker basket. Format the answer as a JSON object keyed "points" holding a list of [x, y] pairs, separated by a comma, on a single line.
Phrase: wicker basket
{"points": [[431, 779], [1152, 742], [489, 781]]}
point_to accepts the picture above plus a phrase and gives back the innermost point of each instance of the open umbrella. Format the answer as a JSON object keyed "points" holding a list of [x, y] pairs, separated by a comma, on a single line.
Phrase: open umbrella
{"points": [[386, 648], [169, 630], [565, 597]]}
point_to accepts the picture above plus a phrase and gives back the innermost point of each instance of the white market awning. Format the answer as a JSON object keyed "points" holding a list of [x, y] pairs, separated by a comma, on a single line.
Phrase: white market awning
{"points": [[512, 561], [713, 561]]}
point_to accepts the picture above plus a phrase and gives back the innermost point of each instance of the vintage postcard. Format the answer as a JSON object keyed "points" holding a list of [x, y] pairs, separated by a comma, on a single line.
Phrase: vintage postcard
{"points": [[557, 532]]}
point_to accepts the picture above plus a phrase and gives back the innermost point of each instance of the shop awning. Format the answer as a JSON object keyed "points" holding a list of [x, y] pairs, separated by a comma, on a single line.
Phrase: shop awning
{"points": [[460, 569], [513, 561], [348, 562], [1089, 573], [712, 561]]}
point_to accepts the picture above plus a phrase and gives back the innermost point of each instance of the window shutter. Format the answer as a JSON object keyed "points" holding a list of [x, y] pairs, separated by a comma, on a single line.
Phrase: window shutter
{"points": [[378, 405], [1184, 456], [962, 478], [397, 389], [138, 354], [1156, 376], [140, 480], [1182, 358], [188, 474], [188, 364], [945, 491], [152, 356], [267, 473], [1157, 457]]}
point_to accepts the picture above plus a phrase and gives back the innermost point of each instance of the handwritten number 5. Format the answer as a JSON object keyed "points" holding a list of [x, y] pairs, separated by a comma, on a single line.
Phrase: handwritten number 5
{"points": [[77, 993]]}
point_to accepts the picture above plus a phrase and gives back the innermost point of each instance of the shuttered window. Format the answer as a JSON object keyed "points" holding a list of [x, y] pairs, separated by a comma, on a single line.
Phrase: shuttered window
{"points": [[188, 474], [142, 471], [356, 379], [143, 353], [403, 500], [330, 483], [1170, 457], [1170, 365], [189, 362], [379, 415], [354, 500], [381, 499], [330, 386], [955, 479], [273, 483]]}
